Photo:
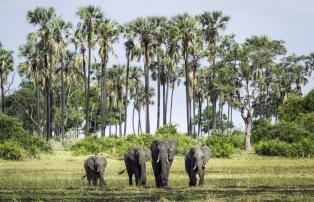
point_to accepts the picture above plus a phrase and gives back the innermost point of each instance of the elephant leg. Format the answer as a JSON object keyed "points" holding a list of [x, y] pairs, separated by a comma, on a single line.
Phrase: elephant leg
{"points": [[94, 177], [157, 175], [130, 179], [192, 178], [137, 179]]}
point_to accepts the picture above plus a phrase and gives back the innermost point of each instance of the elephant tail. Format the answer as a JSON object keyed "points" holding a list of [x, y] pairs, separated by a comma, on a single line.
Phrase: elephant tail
{"points": [[122, 171], [83, 177]]}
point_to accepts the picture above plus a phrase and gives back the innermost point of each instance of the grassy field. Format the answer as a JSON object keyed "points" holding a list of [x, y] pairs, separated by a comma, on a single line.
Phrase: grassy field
{"points": [[57, 177]]}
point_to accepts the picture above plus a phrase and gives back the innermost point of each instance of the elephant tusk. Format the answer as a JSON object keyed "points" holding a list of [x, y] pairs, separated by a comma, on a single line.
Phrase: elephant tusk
{"points": [[157, 160], [167, 161], [203, 165], [194, 167]]}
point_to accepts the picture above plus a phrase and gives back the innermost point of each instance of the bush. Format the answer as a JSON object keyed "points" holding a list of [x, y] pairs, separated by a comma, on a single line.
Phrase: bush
{"points": [[118, 146], [12, 131], [10, 150], [261, 130], [220, 145], [169, 129], [290, 110], [306, 121], [237, 139], [289, 132], [303, 148]]}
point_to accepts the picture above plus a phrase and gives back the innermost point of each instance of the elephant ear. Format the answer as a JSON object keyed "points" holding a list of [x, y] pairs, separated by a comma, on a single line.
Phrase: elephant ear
{"points": [[172, 149], [188, 154], [91, 162], [132, 155], [153, 148], [148, 154], [207, 153]]}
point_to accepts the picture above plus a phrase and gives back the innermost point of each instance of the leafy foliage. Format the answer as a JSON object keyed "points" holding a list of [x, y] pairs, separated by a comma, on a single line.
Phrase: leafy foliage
{"points": [[220, 145], [12, 131], [10, 150], [167, 129]]}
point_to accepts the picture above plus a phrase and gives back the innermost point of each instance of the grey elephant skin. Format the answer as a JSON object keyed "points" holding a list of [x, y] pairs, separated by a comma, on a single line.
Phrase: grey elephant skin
{"points": [[95, 167], [195, 161], [135, 163], [163, 153]]}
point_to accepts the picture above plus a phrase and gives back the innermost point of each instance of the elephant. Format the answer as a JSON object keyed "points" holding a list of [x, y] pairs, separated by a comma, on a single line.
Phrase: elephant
{"points": [[195, 161], [94, 168], [135, 163], [162, 156]]}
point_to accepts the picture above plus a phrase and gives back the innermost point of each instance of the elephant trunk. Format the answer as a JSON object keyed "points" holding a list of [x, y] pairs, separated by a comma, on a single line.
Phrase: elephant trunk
{"points": [[102, 180], [143, 173], [164, 171], [200, 168]]}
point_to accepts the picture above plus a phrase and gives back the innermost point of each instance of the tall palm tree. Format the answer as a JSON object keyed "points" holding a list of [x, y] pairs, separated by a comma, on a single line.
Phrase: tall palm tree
{"points": [[32, 69], [129, 45], [42, 17], [107, 34], [212, 23], [144, 30], [61, 33], [184, 26], [6, 67], [89, 16]]}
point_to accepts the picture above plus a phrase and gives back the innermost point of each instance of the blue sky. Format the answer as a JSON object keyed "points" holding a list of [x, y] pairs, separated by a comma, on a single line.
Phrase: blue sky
{"points": [[289, 20]]}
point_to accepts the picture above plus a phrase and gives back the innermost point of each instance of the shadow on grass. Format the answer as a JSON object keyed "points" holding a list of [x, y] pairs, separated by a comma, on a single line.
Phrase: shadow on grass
{"points": [[153, 194]]}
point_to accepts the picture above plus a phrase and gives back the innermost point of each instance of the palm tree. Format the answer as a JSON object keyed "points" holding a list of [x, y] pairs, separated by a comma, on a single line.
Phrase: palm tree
{"points": [[183, 27], [31, 69], [129, 45], [42, 17], [6, 67], [89, 16], [61, 33], [212, 23], [107, 34], [144, 29], [136, 73]]}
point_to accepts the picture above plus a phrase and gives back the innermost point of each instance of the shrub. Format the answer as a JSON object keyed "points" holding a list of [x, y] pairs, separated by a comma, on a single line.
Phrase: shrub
{"points": [[306, 121], [278, 148], [12, 131], [289, 132], [261, 130], [272, 148], [290, 110], [10, 150], [169, 129], [308, 102], [237, 139], [118, 146], [220, 145]]}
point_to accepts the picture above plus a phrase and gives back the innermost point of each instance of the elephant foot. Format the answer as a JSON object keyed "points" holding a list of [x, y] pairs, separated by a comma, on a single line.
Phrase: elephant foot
{"points": [[192, 184]]}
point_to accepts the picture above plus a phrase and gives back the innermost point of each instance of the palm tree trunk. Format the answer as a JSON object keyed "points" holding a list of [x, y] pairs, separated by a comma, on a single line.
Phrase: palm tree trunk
{"points": [[110, 115], [147, 88], [163, 99], [167, 93], [37, 103], [120, 122], [2, 92], [200, 116], [185, 50], [62, 97], [228, 118], [103, 96], [126, 91], [139, 121], [88, 85], [194, 131], [50, 96], [133, 119], [171, 100], [208, 122], [158, 91]]}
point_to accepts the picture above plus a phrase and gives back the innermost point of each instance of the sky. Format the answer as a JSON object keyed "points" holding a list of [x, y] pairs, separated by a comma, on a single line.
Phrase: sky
{"points": [[288, 20]]}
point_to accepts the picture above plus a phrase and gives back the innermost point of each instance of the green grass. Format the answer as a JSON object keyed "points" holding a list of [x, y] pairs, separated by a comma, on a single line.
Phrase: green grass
{"points": [[244, 177]]}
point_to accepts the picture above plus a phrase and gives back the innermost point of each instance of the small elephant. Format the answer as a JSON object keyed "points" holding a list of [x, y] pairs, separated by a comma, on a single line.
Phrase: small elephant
{"points": [[135, 163], [94, 168], [162, 156], [195, 161]]}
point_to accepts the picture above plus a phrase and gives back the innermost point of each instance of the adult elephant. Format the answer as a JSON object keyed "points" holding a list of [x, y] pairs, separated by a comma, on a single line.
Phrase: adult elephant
{"points": [[162, 156], [94, 168], [135, 163], [195, 161]]}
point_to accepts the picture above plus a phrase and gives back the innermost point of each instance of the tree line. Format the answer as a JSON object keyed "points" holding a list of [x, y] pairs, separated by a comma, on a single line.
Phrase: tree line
{"points": [[66, 80]]}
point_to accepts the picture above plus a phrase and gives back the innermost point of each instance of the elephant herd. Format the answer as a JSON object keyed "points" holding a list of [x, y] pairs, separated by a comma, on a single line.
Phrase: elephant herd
{"points": [[162, 154]]}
